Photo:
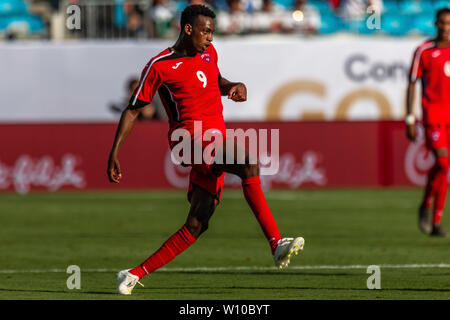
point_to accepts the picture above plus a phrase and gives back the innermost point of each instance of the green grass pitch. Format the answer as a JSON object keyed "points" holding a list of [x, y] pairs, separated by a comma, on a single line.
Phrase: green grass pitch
{"points": [[42, 234]]}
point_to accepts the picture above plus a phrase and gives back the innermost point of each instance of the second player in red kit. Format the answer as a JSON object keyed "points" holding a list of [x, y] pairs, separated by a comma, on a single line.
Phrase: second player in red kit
{"points": [[431, 64]]}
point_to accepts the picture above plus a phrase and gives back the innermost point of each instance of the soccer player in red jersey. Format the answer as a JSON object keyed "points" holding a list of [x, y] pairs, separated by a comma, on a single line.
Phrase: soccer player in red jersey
{"points": [[190, 86], [431, 64]]}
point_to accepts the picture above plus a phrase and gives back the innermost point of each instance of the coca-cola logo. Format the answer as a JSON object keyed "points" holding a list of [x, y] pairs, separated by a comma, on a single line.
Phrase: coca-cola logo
{"points": [[27, 172], [177, 175], [290, 173], [418, 159], [295, 174]]}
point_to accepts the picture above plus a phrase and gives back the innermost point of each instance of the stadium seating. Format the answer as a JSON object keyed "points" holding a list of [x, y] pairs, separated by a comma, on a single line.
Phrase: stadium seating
{"points": [[424, 23], [439, 4], [120, 20], [322, 6], [395, 24], [286, 4], [221, 4], [14, 17], [408, 7], [27, 24], [12, 7], [330, 24], [390, 5], [399, 17], [361, 27], [180, 5]]}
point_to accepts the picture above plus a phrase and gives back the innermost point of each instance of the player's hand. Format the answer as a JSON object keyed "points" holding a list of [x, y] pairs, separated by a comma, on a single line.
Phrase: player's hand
{"points": [[114, 173], [411, 132], [238, 93]]}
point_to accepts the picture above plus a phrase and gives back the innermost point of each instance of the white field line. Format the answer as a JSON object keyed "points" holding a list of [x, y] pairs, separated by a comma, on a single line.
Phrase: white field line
{"points": [[245, 268]]}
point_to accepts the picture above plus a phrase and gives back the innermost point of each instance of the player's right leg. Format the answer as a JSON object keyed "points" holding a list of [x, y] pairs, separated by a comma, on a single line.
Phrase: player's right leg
{"points": [[431, 188], [437, 183], [203, 205], [442, 163], [441, 196]]}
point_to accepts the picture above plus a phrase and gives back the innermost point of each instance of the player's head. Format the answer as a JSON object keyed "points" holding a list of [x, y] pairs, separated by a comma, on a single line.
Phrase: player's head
{"points": [[198, 25], [443, 23]]}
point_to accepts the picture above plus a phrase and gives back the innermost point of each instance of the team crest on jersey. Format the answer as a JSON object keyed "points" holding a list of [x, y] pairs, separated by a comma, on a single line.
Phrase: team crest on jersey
{"points": [[435, 135], [447, 68], [205, 56], [436, 54]]}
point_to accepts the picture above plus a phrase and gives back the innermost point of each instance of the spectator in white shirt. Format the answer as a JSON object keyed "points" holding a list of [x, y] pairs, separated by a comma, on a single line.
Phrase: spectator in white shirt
{"points": [[235, 20], [359, 9], [303, 18], [269, 19]]}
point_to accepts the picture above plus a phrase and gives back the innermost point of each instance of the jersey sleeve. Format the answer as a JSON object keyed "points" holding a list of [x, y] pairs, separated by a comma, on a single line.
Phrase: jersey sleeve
{"points": [[148, 85], [416, 69]]}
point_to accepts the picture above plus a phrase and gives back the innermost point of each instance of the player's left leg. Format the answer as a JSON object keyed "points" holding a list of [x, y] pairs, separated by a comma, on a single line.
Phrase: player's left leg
{"points": [[251, 185], [282, 249]]}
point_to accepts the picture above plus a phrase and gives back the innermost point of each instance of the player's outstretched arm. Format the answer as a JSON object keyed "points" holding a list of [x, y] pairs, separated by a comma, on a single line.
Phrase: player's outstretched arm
{"points": [[236, 91], [410, 119], [126, 124]]}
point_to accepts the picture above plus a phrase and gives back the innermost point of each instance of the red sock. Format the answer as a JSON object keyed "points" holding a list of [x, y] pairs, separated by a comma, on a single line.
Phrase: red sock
{"points": [[431, 188], [176, 244], [441, 188], [439, 202], [257, 202], [437, 216]]}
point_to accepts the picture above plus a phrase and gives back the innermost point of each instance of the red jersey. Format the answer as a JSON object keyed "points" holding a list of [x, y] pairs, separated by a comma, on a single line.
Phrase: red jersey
{"points": [[188, 88], [432, 66]]}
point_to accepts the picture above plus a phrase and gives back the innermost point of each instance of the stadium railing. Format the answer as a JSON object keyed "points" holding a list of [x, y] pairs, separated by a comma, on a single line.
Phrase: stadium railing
{"points": [[111, 19]]}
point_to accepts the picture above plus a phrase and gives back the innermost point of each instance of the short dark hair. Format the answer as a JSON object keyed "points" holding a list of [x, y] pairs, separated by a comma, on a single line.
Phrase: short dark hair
{"points": [[190, 13], [442, 11]]}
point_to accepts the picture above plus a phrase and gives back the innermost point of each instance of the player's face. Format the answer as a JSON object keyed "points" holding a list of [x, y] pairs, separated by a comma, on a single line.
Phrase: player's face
{"points": [[202, 33], [443, 26]]}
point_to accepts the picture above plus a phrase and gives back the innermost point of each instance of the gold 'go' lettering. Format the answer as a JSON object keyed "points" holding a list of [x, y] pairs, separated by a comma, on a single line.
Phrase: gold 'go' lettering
{"points": [[280, 96], [277, 100], [349, 100]]}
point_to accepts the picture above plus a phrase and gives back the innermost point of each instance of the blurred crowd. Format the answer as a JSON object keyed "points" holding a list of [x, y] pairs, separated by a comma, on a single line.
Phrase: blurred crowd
{"points": [[307, 17], [160, 18], [237, 17]]}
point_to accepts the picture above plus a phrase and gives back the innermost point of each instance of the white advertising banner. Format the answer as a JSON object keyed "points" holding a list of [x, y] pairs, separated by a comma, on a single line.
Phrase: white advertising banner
{"points": [[324, 78]]}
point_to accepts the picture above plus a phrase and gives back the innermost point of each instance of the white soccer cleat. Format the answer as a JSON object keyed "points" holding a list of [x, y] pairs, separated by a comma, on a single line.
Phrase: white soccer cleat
{"points": [[126, 282], [284, 250]]}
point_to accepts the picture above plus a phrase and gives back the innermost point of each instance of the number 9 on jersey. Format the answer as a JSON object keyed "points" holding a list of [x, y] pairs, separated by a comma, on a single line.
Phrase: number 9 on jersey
{"points": [[201, 76]]}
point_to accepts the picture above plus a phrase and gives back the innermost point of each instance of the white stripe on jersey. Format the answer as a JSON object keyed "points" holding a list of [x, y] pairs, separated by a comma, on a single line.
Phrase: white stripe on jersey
{"points": [[417, 59], [146, 74]]}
